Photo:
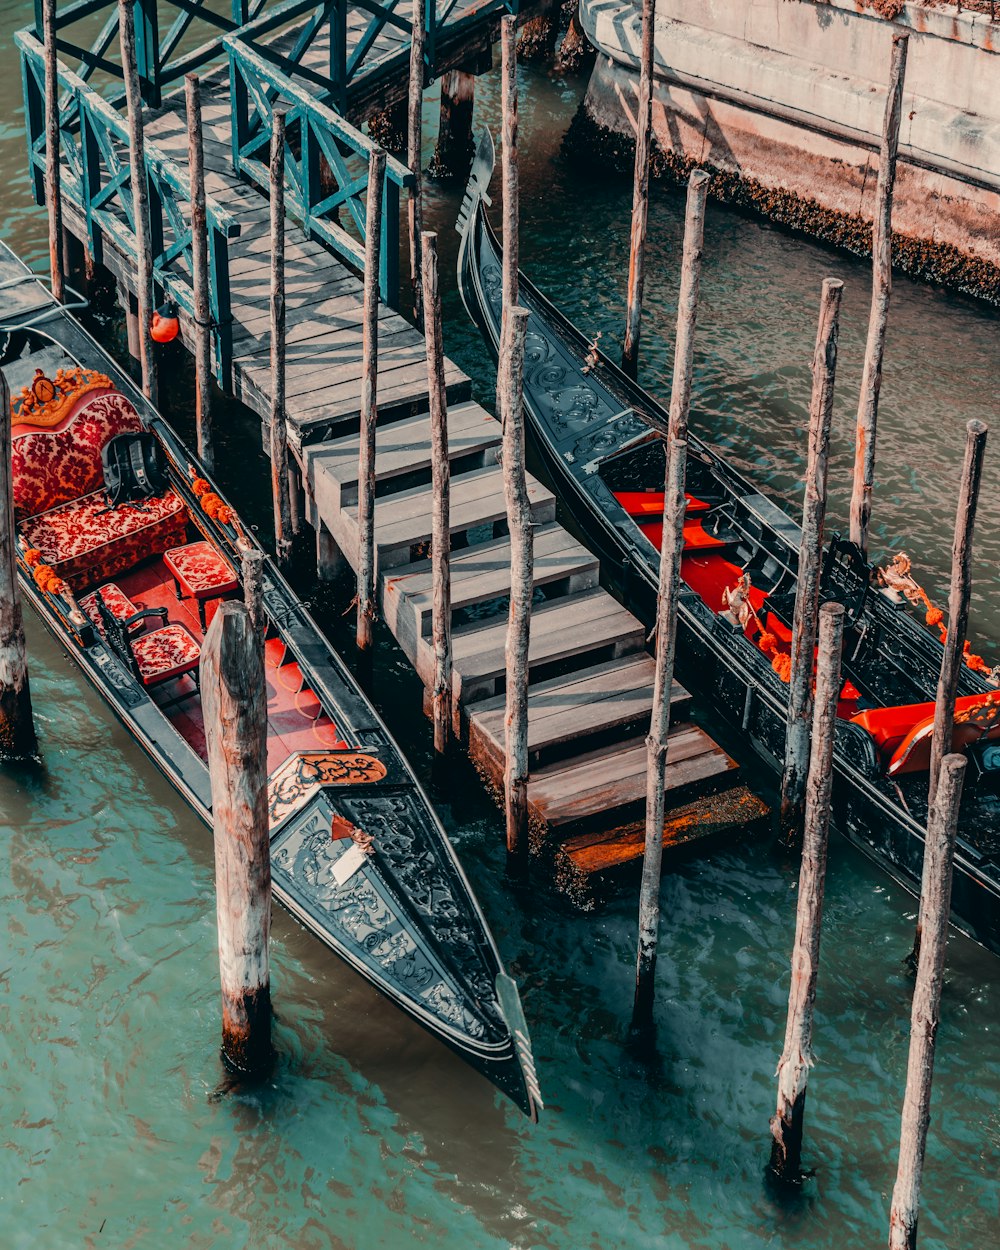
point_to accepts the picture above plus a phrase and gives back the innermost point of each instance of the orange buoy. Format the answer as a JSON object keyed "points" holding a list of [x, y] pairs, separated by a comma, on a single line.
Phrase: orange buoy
{"points": [[165, 327]]}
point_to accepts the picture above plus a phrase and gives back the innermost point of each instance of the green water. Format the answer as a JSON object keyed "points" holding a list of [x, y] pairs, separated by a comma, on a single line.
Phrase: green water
{"points": [[370, 1134]]}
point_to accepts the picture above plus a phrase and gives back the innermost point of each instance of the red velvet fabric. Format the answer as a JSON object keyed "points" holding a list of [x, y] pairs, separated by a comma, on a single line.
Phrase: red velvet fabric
{"points": [[117, 602], [52, 467], [84, 544], [200, 569], [165, 653]]}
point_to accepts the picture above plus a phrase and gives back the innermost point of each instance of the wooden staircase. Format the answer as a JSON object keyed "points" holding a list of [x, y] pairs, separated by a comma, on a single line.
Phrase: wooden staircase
{"points": [[590, 676]]}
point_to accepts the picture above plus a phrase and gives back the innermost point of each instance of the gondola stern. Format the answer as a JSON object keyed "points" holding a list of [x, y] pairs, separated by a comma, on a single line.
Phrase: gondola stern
{"points": [[509, 999]]}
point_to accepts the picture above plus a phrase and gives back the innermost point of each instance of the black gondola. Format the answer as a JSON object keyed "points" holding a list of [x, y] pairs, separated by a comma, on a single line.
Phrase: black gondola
{"points": [[127, 590], [600, 438]]}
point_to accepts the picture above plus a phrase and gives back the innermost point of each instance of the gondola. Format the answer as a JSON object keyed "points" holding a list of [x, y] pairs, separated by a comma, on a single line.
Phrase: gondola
{"points": [[599, 438], [127, 590]]}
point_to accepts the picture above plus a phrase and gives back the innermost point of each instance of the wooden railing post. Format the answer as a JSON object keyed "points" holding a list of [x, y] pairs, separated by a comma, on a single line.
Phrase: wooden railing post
{"points": [[958, 598], [221, 304], [414, 144], [800, 690], [17, 728], [511, 190], [796, 1057], [671, 548], [53, 189], [878, 320], [640, 192], [140, 196], [441, 475], [521, 589], [388, 255], [147, 49], [369, 405], [234, 700], [199, 275], [925, 1014], [277, 430]]}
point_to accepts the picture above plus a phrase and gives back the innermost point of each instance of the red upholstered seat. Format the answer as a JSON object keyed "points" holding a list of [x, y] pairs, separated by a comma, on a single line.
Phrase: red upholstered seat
{"points": [[165, 653], [200, 569], [117, 602], [84, 543]]}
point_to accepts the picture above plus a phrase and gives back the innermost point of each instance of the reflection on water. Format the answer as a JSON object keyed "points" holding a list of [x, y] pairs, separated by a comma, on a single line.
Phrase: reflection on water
{"points": [[370, 1134]]}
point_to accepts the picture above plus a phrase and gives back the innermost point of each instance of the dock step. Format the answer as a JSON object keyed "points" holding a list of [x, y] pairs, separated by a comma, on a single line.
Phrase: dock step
{"points": [[584, 710], [402, 451], [574, 627], [480, 574]]}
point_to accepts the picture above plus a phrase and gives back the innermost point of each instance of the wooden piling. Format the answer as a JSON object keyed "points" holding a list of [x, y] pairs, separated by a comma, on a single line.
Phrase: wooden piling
{"points": [[640, 193], [199, 274], [871, 378], [797, 1057], [252, 569], [140, 197], [441, 479], [17, 728], [234, 700], [53, 187], [800, 693], [369, 405], [277, 429], [509, 178], [414, 143], [521, 590], [935, 904], [958, 598], [671, 548]]}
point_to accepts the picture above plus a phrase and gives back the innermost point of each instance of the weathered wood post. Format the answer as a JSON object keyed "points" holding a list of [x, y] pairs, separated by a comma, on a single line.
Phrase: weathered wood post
{"points": [[252, 570], [878, 320], [640, 193], [234, 699], [671, 547], [17, 727], [53, 187], [414, 143], [278, 433], [199, 274], [454, 148], [521, 586], [369, 405], [140, 198], [935, 905], [800, 692], [509, 173], [441, 476], [958, 598], [796, 1058]]}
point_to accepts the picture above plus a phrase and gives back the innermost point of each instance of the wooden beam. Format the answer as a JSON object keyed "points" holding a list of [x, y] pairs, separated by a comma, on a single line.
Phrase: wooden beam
{"points": [[278, 433], [640, 192], [199, 275]]}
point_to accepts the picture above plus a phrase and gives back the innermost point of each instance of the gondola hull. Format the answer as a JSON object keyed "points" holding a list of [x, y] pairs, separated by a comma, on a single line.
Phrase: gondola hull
{"points": [[407, 919], [582, 413]]}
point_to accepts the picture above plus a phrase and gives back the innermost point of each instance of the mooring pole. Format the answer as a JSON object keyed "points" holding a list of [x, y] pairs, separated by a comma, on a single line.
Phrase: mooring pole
{"points": [[522, 582], [252, 569], [276, 427], [234, 700], [640, 193], [441, 476], [53, 188], [796, 1058], [509, 172], [17, 727], [199, 274], [414, 143], [671, 547], [958, 598], [140, 198], [935, 904], [878, 320], [369, 405], [800, 693]]}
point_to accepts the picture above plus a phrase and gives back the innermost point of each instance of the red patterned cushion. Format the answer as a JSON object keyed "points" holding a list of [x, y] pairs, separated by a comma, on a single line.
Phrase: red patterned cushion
{"points": [[165, 653], [83, 543], [117, 602], [54, 466], [201, 569]]}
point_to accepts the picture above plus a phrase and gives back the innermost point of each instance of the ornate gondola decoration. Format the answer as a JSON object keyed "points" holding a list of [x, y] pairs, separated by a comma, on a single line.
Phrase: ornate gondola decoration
{"points": [[599, 436]]}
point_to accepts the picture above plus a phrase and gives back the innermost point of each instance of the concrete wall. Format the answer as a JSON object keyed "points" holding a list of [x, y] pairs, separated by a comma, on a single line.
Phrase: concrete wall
{"points": [[790, 94]]}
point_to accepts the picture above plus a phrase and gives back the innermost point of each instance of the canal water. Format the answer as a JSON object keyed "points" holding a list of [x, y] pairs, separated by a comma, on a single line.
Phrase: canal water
{"points": [[370, 1134]]}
